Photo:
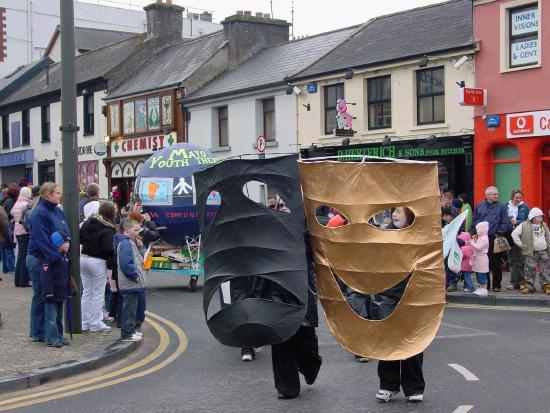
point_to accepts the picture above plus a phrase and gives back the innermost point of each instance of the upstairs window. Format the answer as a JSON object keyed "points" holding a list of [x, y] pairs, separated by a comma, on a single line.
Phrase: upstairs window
{"points": [[332, 94], [523, 30], [88, 114], [5, 132], [269, 119], [26, 127], [223, 127], [430, 96], [45, 123], [379, 96]]}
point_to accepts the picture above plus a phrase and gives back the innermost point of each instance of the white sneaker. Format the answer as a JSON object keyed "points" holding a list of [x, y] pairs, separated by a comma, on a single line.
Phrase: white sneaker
{"points": [[385, 395], [133, 338], [247, 357], [481, 292], [416, 398], [138, 333]]}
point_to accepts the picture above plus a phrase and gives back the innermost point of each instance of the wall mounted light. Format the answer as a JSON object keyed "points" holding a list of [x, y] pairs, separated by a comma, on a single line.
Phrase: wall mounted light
{"points": [[386, 141], [431, 140], [106, 139], [288, 90], [423, 62], [345, 141], [349, 73]]}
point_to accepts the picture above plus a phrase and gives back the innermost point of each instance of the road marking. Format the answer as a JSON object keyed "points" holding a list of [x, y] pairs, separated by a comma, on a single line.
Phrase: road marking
{"points": [[182, 344], [500, 308], [465, 335], [474, 332], [468, 375], [463, 409]]}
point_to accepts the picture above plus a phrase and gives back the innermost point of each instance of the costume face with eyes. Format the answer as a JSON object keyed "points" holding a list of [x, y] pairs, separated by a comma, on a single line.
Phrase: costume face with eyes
{"points": [[370, 259]]}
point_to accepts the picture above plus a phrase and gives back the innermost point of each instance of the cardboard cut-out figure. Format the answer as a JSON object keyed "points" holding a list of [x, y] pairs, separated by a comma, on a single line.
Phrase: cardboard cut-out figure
{"points": [[259, 250], [371, 260]]}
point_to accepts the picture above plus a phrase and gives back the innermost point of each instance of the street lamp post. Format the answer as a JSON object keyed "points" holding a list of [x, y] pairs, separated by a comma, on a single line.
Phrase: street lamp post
{"points": [[69, 140]]}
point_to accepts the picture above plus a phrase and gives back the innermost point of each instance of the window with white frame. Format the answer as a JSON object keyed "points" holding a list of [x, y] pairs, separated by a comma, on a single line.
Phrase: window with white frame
{"points": [[430, 96], [88, 114], [5, 132], [223, 127], [379, 98], [269, 119], [523, 35]]}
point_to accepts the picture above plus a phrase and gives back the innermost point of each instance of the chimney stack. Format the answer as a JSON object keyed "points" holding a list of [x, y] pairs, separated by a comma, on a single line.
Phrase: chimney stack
{"points": [[164, 22], [249, 34]]}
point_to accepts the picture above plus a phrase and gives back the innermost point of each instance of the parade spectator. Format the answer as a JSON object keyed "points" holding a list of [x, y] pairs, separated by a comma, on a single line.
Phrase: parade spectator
{"points": [[480, 260], [116, 195], [24, 202], [56, 284], [131, 278], [4, 231], [518, 211], [7, 248], [466, 207], [447, 202], [465, 266], [533, 238], [92, 194], [97, 238], [35, 195], [45, 219], [495, 213]]}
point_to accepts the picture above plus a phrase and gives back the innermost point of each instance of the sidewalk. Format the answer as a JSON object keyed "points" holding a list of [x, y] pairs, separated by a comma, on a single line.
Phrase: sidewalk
{"points": [[24, 363]]}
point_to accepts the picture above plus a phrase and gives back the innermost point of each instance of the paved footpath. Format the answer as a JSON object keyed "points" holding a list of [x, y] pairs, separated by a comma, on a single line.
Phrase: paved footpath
{"points": [[18, 353]]}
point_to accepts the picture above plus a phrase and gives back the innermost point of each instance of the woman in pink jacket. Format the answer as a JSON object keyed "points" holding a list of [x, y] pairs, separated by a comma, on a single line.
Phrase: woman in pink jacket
{"points": [[22, 237], [465, 266], [480, 260]]}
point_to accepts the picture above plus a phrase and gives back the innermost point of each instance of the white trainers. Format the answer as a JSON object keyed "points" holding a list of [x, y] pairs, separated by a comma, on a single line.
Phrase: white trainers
{"points": [[134, 337], [247, 357], [416, 398], [481, 292], [385, 395], [138, 333]]}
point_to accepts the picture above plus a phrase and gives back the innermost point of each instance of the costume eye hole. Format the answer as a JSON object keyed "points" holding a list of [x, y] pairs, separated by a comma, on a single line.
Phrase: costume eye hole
{"points": [[261, 193], [330, 217], [399, 217]]}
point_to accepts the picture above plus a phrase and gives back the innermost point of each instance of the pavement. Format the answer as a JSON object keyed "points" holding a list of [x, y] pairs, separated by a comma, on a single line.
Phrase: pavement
{"points": [[24, 363]]}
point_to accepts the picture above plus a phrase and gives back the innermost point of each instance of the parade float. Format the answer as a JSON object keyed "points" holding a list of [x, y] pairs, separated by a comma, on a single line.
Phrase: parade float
{"points": [[165, 187]]}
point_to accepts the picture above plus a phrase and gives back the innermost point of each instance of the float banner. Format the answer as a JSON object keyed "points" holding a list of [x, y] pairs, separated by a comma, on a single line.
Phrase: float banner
{"points": [[374, 261], [259, 250]]}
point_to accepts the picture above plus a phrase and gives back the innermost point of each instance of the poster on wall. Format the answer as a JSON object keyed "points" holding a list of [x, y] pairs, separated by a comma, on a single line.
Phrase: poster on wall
{"points": [[114, 118], [153, 112], [141, 115], [129, 117], [167, 110]]}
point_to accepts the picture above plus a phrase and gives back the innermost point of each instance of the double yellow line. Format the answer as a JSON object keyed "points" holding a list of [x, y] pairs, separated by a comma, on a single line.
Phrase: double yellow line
{"points": [[113, 377]]}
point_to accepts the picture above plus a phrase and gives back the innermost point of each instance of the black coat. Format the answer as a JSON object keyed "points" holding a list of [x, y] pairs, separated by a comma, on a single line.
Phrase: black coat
{"points": [[56, 281], [97, 237]]}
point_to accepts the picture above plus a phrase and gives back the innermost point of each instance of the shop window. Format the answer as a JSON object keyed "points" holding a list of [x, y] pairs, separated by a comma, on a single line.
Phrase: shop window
{"points": [[26, 127], [5, 132], [379, 102], [45, 123], [507, 171], [88, 114], [523, 35], [332, 94], [269, 119], [430, 96], [223, 127]]}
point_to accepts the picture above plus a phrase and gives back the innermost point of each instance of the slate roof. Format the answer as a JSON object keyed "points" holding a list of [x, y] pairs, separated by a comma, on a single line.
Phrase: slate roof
{"points": [[416, 32], [89, 66], [90, 39], [273, 65], [170, 66], [15, 79]]}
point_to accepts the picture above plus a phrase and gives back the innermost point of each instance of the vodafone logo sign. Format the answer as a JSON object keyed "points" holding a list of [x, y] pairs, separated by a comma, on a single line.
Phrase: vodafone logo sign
{"points": [[521, 125], [529, 124]]}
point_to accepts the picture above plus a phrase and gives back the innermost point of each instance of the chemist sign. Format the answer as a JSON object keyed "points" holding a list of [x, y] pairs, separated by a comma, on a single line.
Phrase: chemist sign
{"points": [[524, 43], [528, 124]]}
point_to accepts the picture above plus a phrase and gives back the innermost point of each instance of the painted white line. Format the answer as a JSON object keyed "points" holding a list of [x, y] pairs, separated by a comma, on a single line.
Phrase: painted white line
{"points": [[463, 409], [468, 375], [464, 328], [465, 335]]}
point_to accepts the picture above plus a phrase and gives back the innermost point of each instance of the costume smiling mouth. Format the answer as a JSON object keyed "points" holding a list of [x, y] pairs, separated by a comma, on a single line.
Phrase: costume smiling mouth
{"points": [[364, 304]]}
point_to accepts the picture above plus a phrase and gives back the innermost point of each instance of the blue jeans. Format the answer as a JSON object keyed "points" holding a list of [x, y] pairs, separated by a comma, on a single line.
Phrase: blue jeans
{"points": [[8, 259], [468, 283], [54, 323], [141, 306], [129, 311], [38, 309], [449, 275], [482, 278], [21, 272]]}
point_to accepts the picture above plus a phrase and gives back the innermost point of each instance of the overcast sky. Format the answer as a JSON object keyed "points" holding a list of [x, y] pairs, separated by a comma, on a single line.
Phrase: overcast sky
{"points": [[310, 16]]}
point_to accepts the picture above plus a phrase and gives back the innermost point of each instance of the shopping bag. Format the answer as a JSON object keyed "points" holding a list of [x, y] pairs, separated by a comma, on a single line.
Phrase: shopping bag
{"points": [[455, 258], [501, 244]]}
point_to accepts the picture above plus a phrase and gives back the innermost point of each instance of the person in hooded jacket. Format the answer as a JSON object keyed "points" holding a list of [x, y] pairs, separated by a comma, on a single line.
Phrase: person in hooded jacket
{"points": [[21, 278], [97, 239], [518, 211], [479, 259], [4, 227], [8, 255], [45, 219]]}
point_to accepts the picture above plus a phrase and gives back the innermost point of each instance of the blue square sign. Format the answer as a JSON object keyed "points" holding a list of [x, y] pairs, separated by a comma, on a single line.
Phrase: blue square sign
{"points": [[493, 121]]}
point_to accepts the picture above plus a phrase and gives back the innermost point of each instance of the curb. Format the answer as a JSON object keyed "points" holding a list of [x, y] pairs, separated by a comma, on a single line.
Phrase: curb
{"points": [[92, 361], [502, 300]]}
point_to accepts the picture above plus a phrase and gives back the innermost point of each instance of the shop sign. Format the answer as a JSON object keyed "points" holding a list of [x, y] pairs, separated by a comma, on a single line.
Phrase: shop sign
{"points": [[524, 21], [144, 145], [395, 152], [524, 52], [17, 158], [471, 96], [528, 124], [493, 121], [85, 150], [312, 88]]}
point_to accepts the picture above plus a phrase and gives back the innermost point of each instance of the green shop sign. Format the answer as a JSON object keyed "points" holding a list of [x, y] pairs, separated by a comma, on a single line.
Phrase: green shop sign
{"points": [[395, 152]]}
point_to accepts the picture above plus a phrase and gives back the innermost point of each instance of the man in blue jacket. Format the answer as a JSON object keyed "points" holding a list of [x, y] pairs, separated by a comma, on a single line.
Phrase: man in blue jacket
{"points": [[496, 215]]}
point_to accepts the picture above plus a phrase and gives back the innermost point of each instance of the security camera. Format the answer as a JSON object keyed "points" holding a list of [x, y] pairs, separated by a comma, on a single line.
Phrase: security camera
{"points": [[461, 61], [296, 90]]}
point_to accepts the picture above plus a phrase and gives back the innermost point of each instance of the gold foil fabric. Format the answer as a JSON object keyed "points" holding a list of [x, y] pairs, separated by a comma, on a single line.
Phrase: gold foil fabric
{"points": [[370, 260]]}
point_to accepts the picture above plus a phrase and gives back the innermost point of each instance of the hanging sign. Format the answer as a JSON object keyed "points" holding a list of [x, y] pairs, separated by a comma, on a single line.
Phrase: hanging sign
{"points": [[470, 96]]}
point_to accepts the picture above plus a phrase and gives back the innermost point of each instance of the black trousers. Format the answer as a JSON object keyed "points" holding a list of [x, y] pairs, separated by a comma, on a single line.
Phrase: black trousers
{"points": [[300, 353], [494, 265], [405, 373]]}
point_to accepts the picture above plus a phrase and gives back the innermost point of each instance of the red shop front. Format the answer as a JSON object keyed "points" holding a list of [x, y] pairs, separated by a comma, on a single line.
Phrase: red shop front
{"points": [[514, 154]]}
